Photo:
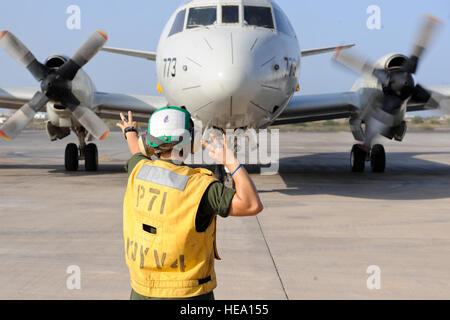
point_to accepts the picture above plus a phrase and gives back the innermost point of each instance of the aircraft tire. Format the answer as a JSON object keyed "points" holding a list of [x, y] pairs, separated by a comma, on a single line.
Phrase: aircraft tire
{"points": [[71, 157], [358, 159], [378, 159], [91, 157]]}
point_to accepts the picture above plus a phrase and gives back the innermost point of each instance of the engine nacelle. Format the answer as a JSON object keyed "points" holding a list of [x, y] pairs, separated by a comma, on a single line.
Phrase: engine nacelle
{"points": [[58, 115], [391, 61], [370, 84], [371, 95], [56, 61]]}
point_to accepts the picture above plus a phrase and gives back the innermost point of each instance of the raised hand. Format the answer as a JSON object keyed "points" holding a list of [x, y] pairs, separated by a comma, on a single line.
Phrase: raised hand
{"points": [[220, 152], [127, 123]]}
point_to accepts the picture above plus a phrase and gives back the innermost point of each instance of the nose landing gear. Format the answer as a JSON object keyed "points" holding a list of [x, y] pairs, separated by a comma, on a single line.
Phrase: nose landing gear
{"points": [[376, 156]]}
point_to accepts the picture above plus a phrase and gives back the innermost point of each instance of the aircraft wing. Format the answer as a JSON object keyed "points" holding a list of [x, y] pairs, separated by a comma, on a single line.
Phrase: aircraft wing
{"points": [[440, 100], [133, 53], [313, 52], [109, 105], [308, 108], [106, 105], [14, 98]]}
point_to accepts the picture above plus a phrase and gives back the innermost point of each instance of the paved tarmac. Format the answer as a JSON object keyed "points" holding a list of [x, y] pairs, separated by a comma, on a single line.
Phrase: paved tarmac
{"points": [[321, 229]]}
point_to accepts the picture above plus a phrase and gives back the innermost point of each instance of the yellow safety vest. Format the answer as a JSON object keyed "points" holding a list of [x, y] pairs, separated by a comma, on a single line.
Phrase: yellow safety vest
{"points": [[166, 256]]}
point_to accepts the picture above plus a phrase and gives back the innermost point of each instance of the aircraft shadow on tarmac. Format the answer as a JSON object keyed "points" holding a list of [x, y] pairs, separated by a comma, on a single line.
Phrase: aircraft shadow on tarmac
{"points": [[104, 169], [406, 178]]}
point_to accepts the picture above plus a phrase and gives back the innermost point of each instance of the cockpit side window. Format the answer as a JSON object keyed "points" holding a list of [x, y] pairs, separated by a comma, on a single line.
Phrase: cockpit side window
{"points": [[230, 14], [204, 16], [283, 24], [258, 16], [178, 24]]}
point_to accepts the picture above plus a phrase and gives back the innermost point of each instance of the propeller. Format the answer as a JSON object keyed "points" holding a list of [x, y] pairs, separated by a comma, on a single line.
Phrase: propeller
{"points": [[56, 85], [397, 83]]}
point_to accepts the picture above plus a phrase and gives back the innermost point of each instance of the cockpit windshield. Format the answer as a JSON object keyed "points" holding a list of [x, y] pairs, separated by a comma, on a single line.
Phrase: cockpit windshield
{"points": [[258, 16], [230, 14], [283, 24], [204, 16], [178, 24]]}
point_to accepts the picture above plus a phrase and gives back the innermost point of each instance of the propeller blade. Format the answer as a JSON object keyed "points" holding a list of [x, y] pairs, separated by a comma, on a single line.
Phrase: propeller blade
{"points": [[420, 94], [361, 66], [22, 117], [83, 55], [91, 122], [86, 117], [428, 30], [353, 62], [21, 54], [443, 102], [433, 100]]}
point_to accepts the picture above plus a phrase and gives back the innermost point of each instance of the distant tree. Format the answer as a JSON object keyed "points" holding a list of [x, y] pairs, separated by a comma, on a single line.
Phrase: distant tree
{"points": [[417, 120], [435, 122], [329, 123]]}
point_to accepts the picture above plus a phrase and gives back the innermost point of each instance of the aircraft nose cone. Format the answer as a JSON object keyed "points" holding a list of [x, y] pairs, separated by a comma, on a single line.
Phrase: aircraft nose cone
{"points": [[227, 82]]}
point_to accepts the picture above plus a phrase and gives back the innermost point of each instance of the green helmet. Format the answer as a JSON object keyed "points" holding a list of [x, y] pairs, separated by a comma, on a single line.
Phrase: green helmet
{"points": [[167, 126]]}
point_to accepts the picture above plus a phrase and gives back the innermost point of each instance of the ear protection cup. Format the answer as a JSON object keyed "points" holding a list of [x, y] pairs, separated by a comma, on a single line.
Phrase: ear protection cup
{"points": [[146, 150]]}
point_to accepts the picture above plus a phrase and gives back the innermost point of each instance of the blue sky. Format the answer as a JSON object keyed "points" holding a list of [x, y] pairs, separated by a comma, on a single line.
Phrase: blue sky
{"points": [[137, 24]]}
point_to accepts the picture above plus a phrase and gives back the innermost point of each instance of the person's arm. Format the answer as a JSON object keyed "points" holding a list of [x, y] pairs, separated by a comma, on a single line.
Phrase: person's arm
{"points": [[246, 201], [132, 137]]}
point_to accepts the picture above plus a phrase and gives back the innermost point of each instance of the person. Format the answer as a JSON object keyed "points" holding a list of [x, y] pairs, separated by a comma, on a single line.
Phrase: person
{"points": [[170, 210]]}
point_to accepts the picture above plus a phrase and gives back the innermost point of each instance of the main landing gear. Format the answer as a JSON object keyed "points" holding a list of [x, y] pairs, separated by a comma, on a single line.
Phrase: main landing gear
{"points": [[376, 156], [86, 152]]}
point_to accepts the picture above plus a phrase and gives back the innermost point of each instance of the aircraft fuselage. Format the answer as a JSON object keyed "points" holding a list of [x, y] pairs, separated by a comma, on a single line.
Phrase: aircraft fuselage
{"points": [[229, 75]]}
